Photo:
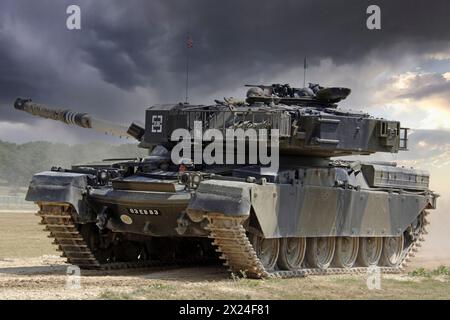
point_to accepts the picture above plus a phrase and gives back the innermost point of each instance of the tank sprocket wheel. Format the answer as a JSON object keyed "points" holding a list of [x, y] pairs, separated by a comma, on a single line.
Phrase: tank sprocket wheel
{"points": [[292, 253], [320, 252], [346, 252], [392, 253], [416, 227], [267, 250], [370, 249]]}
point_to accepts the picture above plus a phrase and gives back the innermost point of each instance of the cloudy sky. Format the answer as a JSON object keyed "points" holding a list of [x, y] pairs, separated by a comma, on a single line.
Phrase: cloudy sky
{"points": [[129, 55]]}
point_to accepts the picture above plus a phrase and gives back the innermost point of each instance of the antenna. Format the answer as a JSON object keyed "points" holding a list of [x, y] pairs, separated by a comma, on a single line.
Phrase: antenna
{"points": [[305, 66], [189, 45]]}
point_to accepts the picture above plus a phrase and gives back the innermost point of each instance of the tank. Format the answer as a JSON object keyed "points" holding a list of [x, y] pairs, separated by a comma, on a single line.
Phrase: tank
{"points": [[307, 211]]}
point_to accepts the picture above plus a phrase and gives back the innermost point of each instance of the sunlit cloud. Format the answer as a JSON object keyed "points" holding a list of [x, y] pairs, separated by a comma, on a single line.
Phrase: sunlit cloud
{"points": [[441, 55]]}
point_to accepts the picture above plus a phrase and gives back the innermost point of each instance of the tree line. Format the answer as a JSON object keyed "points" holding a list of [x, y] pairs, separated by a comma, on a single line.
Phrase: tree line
{"points": [[18, 162]]}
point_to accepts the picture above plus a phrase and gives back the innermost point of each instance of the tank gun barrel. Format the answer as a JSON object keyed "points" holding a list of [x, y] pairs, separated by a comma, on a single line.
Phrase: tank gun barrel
{"points": [[69, 117]]}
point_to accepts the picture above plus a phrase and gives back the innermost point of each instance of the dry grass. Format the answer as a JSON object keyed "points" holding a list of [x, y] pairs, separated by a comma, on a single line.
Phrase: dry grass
{"points": [[32, 278], [22, 236], [318, 287]]}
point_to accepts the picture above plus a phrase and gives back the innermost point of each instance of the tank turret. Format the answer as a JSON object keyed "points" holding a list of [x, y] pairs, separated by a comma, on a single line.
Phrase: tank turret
{"points": [[308, 120]]}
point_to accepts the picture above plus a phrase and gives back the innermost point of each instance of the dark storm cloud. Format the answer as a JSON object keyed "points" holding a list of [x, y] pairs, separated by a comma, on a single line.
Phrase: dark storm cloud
{"points": [[127, 45], [242, 38], [426, 85]]}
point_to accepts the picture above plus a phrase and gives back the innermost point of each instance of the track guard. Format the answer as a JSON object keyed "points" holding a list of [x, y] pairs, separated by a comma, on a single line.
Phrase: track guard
{"points": [[238, 199], [230, 198], [285, 210], [61, 187]]}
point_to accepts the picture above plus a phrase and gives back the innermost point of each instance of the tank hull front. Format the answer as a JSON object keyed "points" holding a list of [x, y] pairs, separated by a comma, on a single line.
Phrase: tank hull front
{"points": [[154, 214]]}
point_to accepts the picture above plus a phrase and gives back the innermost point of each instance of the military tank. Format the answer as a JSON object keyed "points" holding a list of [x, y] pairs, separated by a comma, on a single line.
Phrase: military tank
{"points": [[313, 213]]}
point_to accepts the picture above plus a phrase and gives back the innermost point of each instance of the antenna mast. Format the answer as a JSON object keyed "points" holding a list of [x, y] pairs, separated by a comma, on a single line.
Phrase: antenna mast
{"points": [[305, 66], [189, 45]]}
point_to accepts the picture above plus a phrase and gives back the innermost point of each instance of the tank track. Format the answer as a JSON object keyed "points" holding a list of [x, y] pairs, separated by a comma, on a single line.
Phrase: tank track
{"points": [[59, 221], [228, 235], [230, 238]]}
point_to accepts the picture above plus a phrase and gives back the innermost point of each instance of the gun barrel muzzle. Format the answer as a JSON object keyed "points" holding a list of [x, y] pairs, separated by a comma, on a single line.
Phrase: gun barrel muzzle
{"points": [[64, 115]]}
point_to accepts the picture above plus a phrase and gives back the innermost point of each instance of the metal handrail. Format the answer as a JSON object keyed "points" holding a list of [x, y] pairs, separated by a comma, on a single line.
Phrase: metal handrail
{"points": [[235, 119]]}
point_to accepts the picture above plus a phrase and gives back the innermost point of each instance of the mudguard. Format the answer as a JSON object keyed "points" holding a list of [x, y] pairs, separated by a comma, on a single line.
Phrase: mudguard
{"points": [[227, 197], [62, 187]]}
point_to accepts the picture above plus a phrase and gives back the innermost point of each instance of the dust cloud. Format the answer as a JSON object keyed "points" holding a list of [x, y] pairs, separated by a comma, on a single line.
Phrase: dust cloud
{"points": [[436, 249]]}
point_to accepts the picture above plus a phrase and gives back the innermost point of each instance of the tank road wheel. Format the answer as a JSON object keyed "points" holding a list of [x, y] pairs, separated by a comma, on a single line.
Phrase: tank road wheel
{"points": [[127, 251], [320, 252], [267, 251], [346, 252], [91, 235], [392, 253], [370, 251], [292, 253]]}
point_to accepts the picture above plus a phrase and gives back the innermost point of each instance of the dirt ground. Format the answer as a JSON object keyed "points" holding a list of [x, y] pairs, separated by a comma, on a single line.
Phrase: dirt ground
{"points": [[31, 269]]}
